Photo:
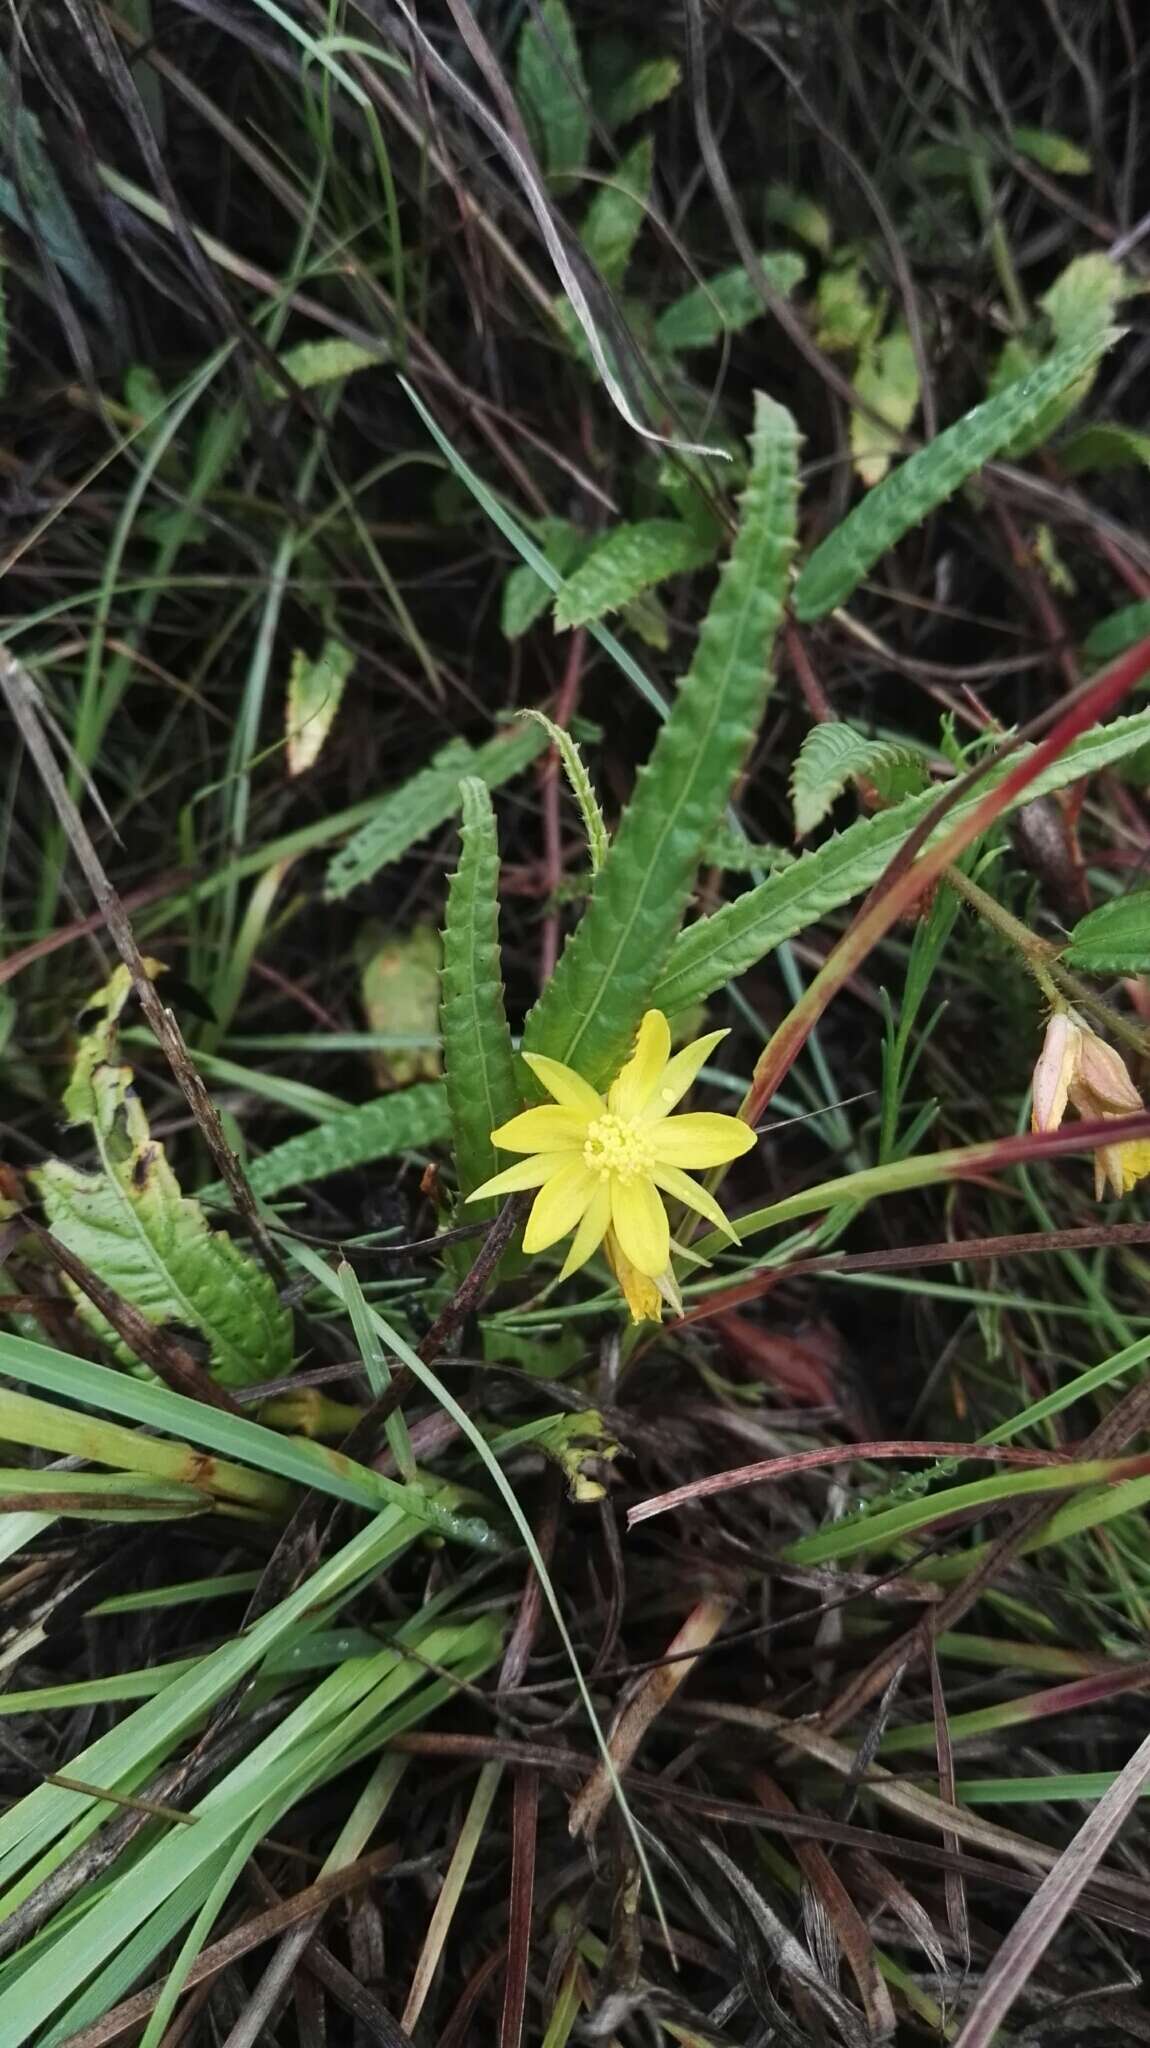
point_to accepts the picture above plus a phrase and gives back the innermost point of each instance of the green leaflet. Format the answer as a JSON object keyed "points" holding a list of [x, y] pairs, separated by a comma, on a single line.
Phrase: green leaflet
{"points": [[140, 1235], [930, 476], [311, 363], [643, 88], [479, 1065], [418, 806], [591, 1007], [725, 304], [1115, 938], [833, 755], [618, 211], [627, 561], [1053, 151], [407, 1121], [711, 952], [552, 89], [1117, 631]]}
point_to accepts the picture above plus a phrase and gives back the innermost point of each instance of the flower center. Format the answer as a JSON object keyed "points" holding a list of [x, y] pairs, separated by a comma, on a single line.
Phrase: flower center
{"points": [[617, 1147]]}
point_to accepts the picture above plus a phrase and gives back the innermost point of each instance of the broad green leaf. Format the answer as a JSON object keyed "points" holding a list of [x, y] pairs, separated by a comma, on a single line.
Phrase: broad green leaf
{"points": [[399, 989], [482, 1088], [617, 212], [931, 475], [726, 304], [1113, 635], [591, 1007], [141, 1236], [575, 769], [624, 563], [647, 86], [887, 379], [314, 691], [847, 314], [716, 949], [1115, 938], [833, 755], [787, 208], [525, 595], [552, 89], [36, 197], [1105, 445], [1053, 151], [427, 800], [311, 363], [408, 1121]]}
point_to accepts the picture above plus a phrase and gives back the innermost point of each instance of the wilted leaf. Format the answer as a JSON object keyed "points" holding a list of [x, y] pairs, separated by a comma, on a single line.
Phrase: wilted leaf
{"points": [[887, 378], [726, 304], [314, 690], [399, 987], [130, 1223]]}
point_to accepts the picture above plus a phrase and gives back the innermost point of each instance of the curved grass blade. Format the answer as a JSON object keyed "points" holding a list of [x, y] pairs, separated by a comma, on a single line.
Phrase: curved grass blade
{"points": [[716, 949], [930, 476], [479, 1065], [587, 1014]]}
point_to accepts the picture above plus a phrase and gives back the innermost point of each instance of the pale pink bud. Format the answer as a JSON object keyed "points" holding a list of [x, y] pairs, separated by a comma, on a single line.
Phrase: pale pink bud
{"points": [[1054, 1071], [1102, 1086]]}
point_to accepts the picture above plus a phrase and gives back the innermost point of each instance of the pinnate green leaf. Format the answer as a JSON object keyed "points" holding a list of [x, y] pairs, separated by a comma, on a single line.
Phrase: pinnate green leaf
{"points": [[726, 304], [833, 755], [628, 560], [479, 1065], [409, 1120], [425, 801], [931, 475], [591, 1007], [1115, 938], [715, 949]]}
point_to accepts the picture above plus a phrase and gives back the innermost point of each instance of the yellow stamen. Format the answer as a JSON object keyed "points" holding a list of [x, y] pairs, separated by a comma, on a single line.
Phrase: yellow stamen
{"points": [[618, 1146]]}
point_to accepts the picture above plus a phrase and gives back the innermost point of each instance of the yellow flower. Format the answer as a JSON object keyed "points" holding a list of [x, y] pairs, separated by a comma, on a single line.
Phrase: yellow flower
{"points": [[1078, 1067], [602, 1164]]}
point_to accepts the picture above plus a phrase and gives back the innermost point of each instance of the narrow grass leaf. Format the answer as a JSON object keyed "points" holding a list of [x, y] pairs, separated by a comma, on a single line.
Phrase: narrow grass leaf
{"points": [[593, 1003]]}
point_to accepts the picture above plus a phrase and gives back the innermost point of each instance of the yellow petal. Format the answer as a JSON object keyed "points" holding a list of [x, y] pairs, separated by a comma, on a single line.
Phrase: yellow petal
{"points": [[635, 1084], [526, 1173], [559, 1205], [680, 1072], [682, 1188], [639, 1221], [565, 1084], [549, 1129], [1122, 1165], [640, 1294], [700, 1139], [591, 1231]]}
